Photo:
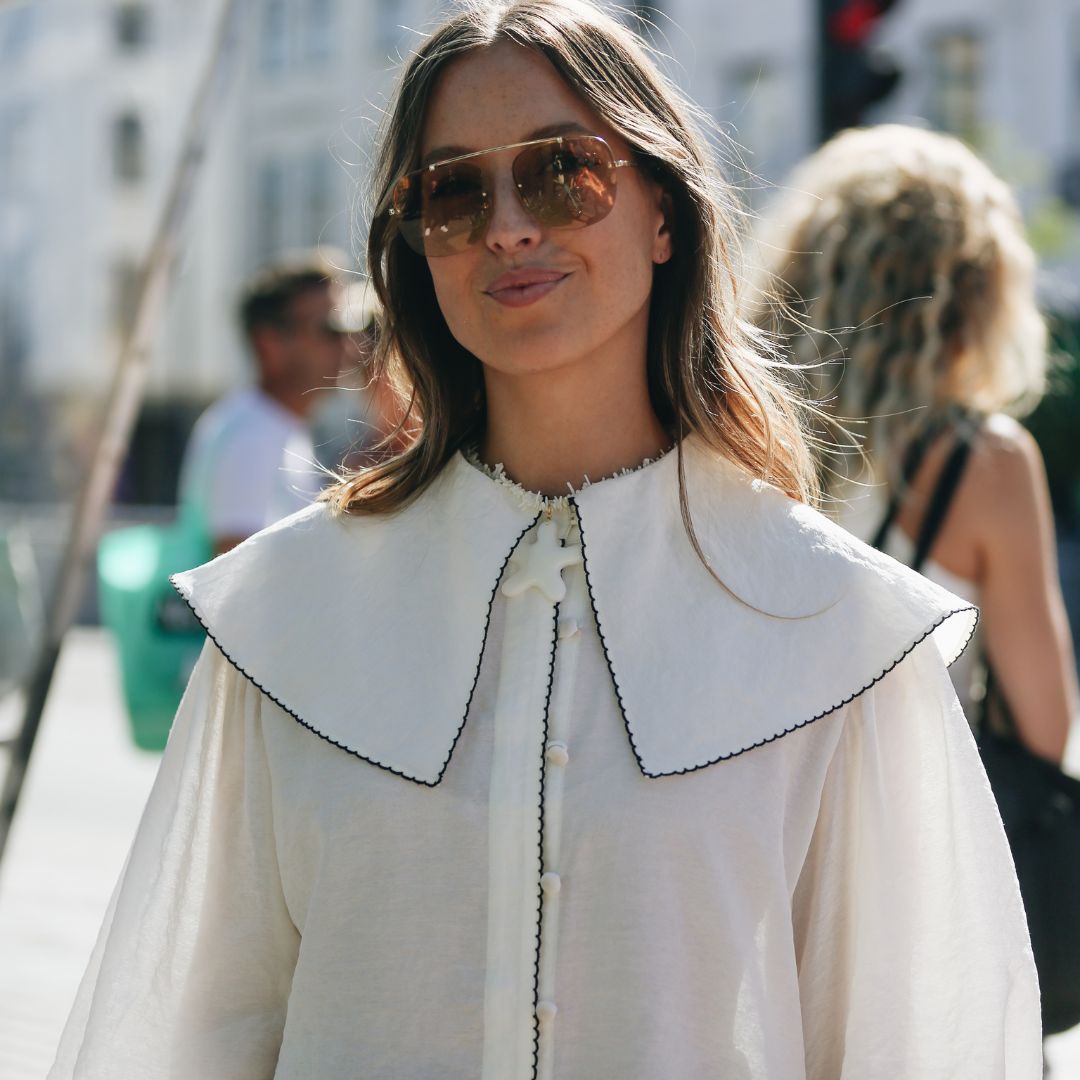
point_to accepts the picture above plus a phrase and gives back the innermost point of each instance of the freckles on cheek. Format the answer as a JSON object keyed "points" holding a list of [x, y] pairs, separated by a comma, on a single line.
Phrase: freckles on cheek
{"points": [[623, 282], [459, 310], [447, 296]]}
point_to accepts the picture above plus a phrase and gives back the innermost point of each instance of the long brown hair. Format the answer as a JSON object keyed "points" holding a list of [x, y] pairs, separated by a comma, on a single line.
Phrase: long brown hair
{"points": [[709, 372]]}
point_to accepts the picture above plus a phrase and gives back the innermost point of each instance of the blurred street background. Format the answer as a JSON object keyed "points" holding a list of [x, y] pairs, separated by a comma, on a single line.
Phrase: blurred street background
{"points": [[94, 97]]}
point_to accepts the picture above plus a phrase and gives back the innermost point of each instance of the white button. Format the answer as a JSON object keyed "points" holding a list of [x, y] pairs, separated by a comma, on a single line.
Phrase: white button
{"points": [[539, 565], [545, 1011], [568, 627], [557, 753], [550, 883]]}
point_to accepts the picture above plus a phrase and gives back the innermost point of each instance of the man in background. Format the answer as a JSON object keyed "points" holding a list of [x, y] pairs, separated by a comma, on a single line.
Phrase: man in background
{"points": [[250, 460], [359, 423]]}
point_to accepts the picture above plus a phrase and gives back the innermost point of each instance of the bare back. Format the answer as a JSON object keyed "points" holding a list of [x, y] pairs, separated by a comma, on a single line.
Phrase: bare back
{"points": [[999, 534]]}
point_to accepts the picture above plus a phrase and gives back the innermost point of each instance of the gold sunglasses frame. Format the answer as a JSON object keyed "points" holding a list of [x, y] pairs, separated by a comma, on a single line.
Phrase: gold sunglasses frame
{"points": [[560, 139]]}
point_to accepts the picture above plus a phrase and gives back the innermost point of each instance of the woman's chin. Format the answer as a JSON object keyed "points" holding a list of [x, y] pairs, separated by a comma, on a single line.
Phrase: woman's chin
{"points": [[529, 362], [532, 351]]}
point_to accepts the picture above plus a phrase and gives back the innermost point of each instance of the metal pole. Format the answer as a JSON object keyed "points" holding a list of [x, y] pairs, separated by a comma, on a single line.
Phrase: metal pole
{"points": [[121, 410]]}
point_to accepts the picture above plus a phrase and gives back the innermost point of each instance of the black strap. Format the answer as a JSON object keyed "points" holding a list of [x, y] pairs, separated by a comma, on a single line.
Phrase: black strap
{"points": [[913, 458], [941, 500]]}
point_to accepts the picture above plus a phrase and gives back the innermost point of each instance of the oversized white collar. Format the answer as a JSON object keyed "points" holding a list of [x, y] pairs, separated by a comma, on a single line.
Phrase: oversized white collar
{"points": [[369, 630]]}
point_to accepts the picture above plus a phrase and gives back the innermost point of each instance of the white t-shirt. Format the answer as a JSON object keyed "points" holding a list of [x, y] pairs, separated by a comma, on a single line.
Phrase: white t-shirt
{"points": [[248, 464], [488, 789]]}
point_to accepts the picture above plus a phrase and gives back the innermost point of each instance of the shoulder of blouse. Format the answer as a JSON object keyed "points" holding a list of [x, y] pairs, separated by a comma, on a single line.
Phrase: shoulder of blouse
{"points": [[792, 618]]}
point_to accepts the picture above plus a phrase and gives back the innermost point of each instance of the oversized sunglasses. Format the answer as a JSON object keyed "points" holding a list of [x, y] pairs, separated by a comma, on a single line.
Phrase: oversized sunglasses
{"points": [[563, 182]]}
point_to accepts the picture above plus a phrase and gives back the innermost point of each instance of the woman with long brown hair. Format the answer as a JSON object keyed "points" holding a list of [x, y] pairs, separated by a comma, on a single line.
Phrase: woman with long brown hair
{"points": [[572, 741]]}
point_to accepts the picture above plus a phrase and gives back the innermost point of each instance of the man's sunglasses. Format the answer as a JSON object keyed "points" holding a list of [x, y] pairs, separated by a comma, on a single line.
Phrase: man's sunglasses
{"points": [[324, 328], [565, 182]]}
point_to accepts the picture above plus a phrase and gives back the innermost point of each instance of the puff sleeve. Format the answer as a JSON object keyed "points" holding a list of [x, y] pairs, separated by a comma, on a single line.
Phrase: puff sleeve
{"points": [[193, 964], [912, 946]]}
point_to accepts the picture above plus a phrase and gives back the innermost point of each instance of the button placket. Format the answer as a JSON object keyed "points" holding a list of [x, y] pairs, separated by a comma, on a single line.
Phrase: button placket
{"points": [[556, 759], [514, 1024]]}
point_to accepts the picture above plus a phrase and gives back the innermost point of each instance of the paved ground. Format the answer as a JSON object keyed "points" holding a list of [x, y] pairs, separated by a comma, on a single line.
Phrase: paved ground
{"points": [[81, 803], [84, 794]]}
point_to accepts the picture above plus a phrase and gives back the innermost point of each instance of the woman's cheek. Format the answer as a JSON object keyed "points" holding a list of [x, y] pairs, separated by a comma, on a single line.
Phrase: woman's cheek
{"points": [[452, 299]]}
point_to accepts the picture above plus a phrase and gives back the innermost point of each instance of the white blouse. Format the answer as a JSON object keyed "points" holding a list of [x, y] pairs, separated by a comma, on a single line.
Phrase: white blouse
{"points": [[506, 788]]}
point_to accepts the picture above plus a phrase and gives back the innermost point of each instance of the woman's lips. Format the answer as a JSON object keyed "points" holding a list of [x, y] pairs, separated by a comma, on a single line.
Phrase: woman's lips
{"points": [[523, 295]]}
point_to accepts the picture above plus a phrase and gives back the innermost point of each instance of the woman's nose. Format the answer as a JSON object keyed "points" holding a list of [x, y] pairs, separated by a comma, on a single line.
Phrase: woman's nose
{"points": [[509, 226]]}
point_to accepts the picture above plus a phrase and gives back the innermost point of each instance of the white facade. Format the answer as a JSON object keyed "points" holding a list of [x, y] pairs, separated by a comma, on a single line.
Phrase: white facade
{"points": [[95, 133], [285, 171], [1006, 75], [90, 127], [752, 67]]}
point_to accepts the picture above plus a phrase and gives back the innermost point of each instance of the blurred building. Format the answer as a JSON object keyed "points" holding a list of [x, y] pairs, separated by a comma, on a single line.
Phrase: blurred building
{"points": [[752, 67], [93, 99], [1003, 76], [1006, 78], [93, 95], [292, 143]]}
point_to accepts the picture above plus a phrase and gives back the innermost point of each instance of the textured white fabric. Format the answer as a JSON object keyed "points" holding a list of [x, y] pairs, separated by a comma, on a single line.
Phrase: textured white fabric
{"points": [[654, 597], [550, 883], [248, 464], [862, 515]]}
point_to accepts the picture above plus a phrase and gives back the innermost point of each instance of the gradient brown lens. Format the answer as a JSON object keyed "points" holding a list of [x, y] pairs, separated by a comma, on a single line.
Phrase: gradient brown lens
{"points": [[442, 211], [568, 184]]}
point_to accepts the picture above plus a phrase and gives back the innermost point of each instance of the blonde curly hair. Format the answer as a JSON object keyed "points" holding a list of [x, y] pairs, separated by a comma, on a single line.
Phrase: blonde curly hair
{"points": [[895, 269]]}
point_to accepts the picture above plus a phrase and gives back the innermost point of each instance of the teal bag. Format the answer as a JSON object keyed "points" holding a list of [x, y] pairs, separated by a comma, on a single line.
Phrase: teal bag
{"points": [[157, 636]]}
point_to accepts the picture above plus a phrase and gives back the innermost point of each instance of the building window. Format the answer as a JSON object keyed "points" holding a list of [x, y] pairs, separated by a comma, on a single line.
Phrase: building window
{"points": [[125, 293], [269, 211], [757, 113], [387, 22], [131, 27], [16, 32], [16, 340], [1074, 81], [321, 203], [1069, 168], [956, 73], [129, 149], [320, 30], [274, 37], [15, 152]]}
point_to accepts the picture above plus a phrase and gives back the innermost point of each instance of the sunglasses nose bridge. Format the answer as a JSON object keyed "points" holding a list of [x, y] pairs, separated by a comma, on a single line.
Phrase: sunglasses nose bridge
{"points": [[507, 213]]}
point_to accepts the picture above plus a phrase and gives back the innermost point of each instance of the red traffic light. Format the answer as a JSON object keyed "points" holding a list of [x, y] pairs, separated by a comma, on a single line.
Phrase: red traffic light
{"points": [[853, 21]]}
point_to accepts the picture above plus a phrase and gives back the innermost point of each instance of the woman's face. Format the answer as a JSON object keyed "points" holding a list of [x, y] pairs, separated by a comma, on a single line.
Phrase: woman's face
{"points": [[505, 94]]}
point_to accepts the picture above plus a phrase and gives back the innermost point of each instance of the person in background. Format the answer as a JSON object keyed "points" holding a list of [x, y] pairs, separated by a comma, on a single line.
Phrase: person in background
{"points": [[910, 243], [359, 421], [250, 460]]}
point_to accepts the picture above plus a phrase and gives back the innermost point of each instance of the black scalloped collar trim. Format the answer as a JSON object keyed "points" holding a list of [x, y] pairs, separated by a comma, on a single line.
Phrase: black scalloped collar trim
{"points": [[768, 739], [285, 707], [613, 510]]}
